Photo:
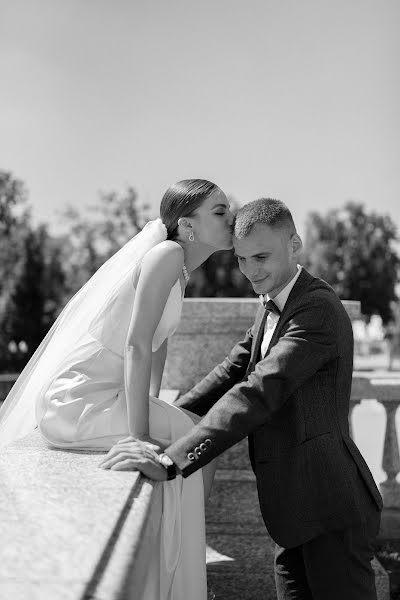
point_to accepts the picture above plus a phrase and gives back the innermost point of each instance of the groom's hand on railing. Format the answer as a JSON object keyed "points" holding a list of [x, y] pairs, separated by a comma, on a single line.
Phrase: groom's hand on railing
{"points": [[132, 454]]}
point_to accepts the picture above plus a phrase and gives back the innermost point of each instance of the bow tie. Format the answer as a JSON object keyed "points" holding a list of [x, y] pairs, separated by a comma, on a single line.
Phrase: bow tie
{"points": [[270, 306]]}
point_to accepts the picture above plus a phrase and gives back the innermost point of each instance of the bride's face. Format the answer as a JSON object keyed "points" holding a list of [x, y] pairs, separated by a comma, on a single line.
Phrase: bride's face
{"points": [[212, 222]]}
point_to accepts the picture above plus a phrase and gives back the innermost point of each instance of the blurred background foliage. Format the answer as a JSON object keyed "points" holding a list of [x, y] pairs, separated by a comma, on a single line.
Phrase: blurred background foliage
{"points": [[354, 250]]}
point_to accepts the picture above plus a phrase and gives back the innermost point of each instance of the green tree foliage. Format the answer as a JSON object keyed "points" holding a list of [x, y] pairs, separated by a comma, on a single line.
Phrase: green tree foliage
{"points": [[355, 252], [33, 305], [31, 277], [95, 234], [14, 225]]}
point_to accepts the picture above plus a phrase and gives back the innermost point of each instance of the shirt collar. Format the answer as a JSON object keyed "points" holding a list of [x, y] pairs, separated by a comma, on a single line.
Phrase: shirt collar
{"points": [[281, 299]]}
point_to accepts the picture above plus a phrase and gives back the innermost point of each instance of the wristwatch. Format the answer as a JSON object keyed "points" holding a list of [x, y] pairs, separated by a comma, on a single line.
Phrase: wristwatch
{"points": [[168, 464]]}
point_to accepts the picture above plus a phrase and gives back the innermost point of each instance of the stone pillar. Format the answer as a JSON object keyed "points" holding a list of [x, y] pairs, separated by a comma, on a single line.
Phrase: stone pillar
{"points": [[387, 392], [360, 390], [353, 404]]}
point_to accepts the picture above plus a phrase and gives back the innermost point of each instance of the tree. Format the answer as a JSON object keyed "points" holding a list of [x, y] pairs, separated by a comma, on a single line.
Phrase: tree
{"points": [[14, 225], [31, 277], [31, 307], [95, 234], [355, 252]]}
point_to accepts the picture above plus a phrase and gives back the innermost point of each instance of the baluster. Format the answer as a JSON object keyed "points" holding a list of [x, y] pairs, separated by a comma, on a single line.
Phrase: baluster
{"points": [[390, 489], [353, 404]]}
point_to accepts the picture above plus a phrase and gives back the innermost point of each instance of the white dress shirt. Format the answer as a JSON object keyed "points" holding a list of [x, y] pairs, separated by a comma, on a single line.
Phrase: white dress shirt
{"points": [[272, 319]]}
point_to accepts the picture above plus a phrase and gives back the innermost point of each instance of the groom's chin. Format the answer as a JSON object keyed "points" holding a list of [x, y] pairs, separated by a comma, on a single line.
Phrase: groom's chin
{"points": [[259, 290]]}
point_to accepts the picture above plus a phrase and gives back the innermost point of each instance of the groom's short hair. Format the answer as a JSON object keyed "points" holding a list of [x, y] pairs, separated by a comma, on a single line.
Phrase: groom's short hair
{"points": [[269, 211]]}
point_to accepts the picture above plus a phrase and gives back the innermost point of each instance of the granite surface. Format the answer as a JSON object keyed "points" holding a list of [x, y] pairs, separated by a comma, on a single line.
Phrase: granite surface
{"points": [[62, 520], [208, 329]]}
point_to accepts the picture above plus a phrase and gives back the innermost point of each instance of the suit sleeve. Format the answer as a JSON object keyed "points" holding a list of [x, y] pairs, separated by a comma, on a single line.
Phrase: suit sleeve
{"points": [[225, 375], [308, 341]]}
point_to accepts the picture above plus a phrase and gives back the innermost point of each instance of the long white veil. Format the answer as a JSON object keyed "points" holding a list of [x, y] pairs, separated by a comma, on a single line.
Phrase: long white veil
{"points": [[18, 412]]}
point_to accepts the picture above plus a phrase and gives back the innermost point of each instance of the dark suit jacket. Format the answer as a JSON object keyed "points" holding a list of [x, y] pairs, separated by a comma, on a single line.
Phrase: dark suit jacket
{"points": [[293, 404]]}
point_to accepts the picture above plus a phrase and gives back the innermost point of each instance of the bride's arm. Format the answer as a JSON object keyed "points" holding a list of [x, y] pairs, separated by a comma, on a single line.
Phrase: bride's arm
{"points": [[157, 368], [159, 272]]}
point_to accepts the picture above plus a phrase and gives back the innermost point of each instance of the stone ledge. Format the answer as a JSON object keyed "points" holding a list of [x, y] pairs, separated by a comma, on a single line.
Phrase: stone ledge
{"points": [[70, 529]]}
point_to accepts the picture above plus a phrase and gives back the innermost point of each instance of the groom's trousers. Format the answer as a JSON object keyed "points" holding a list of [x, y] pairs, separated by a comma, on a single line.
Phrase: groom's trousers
{"points": [[333, 566]]}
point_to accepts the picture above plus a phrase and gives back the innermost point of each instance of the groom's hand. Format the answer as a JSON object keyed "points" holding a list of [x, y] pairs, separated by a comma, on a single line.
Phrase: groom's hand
{"points": [[135, 455]]}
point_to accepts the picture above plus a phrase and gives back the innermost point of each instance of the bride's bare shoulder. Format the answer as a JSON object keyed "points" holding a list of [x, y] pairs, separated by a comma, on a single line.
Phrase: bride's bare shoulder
{"points": [[166, 250], [167, 256]]}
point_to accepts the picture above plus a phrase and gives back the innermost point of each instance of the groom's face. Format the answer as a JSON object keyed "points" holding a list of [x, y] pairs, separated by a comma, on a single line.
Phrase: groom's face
{"points": [[267, 257]]}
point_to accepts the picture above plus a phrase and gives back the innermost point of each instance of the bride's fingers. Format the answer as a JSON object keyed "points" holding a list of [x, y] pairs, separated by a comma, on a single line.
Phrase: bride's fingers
{"points": [[128, 444], [125, 465], [153, 470], [107, 464], [115, 450]]}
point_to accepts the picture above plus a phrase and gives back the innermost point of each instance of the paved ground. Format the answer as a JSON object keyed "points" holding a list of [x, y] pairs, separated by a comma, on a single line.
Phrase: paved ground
{"points": [[240, 552]]}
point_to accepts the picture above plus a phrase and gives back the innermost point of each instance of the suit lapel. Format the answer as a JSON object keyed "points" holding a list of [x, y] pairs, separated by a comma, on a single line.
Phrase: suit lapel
{"points": [[259, 325], [299, 287]]}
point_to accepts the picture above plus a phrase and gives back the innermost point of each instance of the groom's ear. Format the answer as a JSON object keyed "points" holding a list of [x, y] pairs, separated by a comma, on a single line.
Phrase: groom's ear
{"points": [[297, 244]]}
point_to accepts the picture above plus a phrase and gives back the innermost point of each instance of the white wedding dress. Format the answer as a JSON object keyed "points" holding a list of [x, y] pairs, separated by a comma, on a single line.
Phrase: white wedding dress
{"points": [[84, 407]]}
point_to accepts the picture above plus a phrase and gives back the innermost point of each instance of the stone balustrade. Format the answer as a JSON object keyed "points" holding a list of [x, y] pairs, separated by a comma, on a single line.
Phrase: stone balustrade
{"points": [[387, 392], [211, 326], [70, 530]]}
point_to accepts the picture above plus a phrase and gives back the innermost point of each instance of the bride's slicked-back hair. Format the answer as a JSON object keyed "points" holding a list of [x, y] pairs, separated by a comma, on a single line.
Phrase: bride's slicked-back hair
{"points": [[181, 200]]}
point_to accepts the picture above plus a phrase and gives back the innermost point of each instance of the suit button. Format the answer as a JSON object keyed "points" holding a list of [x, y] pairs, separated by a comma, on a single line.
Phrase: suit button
{"points": [[208, 442], [203, 447], [191, 456], [197, 450]]}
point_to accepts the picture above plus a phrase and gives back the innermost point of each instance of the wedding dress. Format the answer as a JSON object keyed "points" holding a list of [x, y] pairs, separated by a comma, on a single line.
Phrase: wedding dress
{"points": [[82, 405], [85, 407]]}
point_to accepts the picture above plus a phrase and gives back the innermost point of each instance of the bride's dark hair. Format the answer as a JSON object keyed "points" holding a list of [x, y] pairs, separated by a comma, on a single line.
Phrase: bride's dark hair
{"points": [[181, 200]]}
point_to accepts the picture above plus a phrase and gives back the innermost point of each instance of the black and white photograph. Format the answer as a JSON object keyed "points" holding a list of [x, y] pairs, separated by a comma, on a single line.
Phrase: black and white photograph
{"points": [[199, 300]]}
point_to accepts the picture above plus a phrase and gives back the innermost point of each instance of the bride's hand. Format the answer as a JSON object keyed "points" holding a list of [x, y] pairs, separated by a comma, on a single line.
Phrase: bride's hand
{"points": [[132, 454], [156, 445]]}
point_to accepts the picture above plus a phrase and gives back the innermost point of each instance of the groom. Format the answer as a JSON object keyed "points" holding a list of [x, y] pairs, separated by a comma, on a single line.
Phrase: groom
{"points": [[287, 387]]}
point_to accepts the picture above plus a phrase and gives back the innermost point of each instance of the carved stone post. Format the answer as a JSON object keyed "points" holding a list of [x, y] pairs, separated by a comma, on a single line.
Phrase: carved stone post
{"points": [[353, 404], [390, 488], [360, 390], [388, 394]]}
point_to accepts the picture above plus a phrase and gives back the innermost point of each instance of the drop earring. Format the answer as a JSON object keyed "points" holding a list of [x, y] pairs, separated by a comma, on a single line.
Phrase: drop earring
{"points": [[191, 237]]}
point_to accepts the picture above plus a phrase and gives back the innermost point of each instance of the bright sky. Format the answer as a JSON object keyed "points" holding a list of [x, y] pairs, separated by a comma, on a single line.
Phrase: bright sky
{"points": [[293, 99]]}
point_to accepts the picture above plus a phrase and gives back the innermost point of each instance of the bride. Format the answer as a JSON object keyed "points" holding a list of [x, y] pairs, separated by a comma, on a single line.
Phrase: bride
{"points": [[96, 377]]}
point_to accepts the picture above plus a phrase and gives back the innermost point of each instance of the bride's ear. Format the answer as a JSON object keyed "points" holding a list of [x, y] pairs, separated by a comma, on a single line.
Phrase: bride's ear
{"points": [[185, 226]]}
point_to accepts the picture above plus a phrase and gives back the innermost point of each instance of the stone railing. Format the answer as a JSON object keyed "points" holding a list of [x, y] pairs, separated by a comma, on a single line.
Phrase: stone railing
{"points": [[386, 390], [72, 530], [208, 330]]}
